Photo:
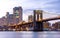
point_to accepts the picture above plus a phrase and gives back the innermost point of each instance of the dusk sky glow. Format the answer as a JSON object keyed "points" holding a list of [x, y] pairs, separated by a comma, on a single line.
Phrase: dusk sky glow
{"points": [[29, 5]]}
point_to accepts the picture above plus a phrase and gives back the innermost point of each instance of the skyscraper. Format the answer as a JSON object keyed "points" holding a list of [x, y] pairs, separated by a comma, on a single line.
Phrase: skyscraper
{"points": [[46, 25], [10, 19], [3, 21], [30, 18], [17, 11], [14, 18]]}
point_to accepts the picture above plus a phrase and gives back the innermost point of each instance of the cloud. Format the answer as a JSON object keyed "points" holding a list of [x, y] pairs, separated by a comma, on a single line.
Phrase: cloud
{"points": [[46, 5], [29, 5], [8, 5]]}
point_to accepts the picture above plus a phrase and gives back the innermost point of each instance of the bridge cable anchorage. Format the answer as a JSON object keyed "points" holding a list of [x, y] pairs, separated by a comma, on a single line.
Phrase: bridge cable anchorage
{"points": [[52, 13]]}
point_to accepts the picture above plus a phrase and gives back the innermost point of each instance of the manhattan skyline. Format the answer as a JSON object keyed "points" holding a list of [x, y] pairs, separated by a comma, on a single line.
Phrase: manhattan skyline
{"points": [[29, 5]]}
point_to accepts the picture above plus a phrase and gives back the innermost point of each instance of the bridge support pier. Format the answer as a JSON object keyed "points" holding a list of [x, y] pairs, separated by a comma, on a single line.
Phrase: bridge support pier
{"points": [[38, 26]]}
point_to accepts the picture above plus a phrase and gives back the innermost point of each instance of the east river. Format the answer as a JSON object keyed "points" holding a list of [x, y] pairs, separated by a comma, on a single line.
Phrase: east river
{"points": [[29, 34]]}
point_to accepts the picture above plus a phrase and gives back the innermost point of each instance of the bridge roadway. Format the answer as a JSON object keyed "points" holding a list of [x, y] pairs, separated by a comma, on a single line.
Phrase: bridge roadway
{"points": [[43, 20], [39, 23], [27, 25]]}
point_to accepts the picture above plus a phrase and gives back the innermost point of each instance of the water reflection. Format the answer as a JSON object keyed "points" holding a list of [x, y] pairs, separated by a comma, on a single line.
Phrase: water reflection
{"points": [[25, 34]]}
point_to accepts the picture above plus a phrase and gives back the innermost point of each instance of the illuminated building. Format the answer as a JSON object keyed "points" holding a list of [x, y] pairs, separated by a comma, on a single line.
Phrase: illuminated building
{"points": [[30, 18], [17, 11], [46, 25], [14, 18], [3, 21], [56, 26], [10, 19]]}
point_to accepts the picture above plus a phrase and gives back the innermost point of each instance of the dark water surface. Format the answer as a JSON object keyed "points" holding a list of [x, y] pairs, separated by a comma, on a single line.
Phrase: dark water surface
{"points": [[25, 34]]}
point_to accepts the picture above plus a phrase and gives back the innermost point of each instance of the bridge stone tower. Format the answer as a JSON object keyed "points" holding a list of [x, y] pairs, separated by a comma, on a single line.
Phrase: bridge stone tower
{"points": [[38, 26]]}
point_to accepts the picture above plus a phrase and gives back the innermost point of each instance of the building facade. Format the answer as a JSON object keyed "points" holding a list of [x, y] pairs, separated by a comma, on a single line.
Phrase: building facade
{"points": [[17, 12], [10, 19], [30, 18], [14, 18], [56, 26], [3, 21], [46, 25]]}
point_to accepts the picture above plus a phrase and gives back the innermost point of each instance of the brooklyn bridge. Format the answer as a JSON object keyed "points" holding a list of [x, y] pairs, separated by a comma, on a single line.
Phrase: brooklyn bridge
{"points": [[35, 25]]}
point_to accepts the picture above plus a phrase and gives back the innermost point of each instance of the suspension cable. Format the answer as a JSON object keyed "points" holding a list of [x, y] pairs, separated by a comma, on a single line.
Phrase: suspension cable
{"points": [[51, 13]]}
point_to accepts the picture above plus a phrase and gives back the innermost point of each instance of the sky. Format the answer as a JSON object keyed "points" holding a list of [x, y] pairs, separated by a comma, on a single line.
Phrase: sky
{"points": [[52, 6]]}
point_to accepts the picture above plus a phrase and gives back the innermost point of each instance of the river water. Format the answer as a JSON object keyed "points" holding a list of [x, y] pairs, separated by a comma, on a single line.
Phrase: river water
{"points": [[26, 34]]}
